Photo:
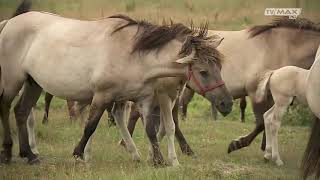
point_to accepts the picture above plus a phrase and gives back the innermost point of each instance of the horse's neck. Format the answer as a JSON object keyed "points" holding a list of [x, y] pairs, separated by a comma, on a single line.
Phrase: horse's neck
{"points": [[165, 69], [240, 57]]}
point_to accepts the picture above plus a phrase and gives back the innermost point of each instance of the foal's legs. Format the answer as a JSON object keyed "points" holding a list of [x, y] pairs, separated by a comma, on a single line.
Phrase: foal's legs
{"points": [[184, 100], [184, 146], [243, 106], [47, 99], [146, 110], [120, 112], [267, 122], [133, 118], [27, 100], [32, 136], [166, 106], [259, 109], [279, 110]]}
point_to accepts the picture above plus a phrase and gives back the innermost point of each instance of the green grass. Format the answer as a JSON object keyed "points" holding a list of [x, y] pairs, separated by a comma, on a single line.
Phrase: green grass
{"points": [[209, 139]]}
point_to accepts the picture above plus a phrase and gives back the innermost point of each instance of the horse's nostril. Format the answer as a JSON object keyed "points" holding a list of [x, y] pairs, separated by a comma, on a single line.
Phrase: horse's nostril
{"points": [[222, 104]]}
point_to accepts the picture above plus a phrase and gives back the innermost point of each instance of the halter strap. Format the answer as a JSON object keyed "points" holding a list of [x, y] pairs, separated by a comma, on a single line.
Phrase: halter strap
{"points": [[205, 89]]}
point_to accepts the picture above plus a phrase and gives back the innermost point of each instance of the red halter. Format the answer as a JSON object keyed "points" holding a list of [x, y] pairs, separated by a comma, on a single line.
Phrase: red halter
{"points": [[203, 90]]}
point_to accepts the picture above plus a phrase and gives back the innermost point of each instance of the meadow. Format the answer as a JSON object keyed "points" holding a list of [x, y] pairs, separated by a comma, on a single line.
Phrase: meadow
{"points": [[209, 139]]}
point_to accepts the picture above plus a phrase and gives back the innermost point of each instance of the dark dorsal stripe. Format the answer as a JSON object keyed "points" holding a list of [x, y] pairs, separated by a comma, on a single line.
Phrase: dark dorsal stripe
{"points": [[299, 23]]}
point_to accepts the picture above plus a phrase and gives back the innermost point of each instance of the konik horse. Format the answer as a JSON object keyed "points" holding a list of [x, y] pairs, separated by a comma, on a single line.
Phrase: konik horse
{"points": [[90, 60]]}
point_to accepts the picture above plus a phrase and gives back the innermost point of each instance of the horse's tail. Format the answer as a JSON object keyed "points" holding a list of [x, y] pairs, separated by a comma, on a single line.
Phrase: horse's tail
{"points": [[311, 158], [263, 86], [24, 7]]}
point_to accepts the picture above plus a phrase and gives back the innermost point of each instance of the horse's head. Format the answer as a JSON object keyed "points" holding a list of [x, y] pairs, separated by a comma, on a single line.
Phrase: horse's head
{"points": [[204, 69]]}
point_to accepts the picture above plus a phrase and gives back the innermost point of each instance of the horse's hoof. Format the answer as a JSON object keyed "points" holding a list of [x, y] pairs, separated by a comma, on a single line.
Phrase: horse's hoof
{"points": [[136, 158], [159, 162], [34, 161], [175, 163], [279, 162], [78, 159], [234, 145], [122, 143], [35, 151], [187, 151]]}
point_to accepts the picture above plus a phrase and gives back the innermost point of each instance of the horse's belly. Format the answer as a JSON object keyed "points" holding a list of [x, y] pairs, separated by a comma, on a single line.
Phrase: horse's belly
{"points": [[65, 86]]}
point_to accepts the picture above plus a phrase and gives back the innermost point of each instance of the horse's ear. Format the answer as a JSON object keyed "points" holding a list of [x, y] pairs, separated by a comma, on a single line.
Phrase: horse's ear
{"points": [[188, 59], [216, 40]]}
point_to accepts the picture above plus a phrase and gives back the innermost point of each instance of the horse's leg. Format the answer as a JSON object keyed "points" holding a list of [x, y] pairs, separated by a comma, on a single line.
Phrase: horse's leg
{"points": [[162, 132], [214, 112], [7, 93], [147, 109], [47, 99], [184, 146], [279, 111], [243, 106], [98, 106], [111, 121], [32, 136], [259, 109], [267, 122], [27, 100], [133, 118], [184, 100], [79, 107], [6, 153], [71, 110], [154, 151], [166, 107], [119, 113]]}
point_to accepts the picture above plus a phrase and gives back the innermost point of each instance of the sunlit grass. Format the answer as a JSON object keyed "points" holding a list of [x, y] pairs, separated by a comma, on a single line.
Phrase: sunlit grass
{"points": [[209, 139]]}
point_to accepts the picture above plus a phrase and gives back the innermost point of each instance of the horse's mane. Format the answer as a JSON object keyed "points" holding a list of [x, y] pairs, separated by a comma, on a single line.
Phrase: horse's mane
{"points": [[153, 37], [298, 23]]}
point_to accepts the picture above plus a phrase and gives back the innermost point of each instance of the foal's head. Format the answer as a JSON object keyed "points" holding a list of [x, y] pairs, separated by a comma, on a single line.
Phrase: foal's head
{"points": [[204, 70]]}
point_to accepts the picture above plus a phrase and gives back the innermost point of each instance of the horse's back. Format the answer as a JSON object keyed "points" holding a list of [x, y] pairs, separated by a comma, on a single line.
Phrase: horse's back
{"points": [[51, 48], [289, 81]]}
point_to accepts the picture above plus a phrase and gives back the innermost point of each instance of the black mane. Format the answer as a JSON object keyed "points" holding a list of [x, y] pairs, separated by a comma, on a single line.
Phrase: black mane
{"points": [[299, 23]]}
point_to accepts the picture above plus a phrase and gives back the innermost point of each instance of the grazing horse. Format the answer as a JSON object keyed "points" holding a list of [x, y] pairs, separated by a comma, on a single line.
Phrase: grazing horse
{"points": [[169, 88], [264, 51], [285, 84], [187, 96], [87, 61], [249, 52]]}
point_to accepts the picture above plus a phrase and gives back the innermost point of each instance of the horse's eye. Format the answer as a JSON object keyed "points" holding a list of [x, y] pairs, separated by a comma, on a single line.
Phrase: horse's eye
{"points": [[204, 73]]}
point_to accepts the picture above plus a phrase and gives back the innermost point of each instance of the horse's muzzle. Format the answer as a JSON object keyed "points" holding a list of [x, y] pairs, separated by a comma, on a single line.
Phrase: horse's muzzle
{"points": [[225, 106]]}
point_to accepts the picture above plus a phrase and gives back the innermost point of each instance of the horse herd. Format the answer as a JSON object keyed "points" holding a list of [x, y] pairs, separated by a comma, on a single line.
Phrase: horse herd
{"points": [[112, 62]]}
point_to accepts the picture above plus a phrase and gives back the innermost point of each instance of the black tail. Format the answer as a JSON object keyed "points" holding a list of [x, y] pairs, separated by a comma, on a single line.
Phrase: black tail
{"points": [[311, 159], [24, 7]]}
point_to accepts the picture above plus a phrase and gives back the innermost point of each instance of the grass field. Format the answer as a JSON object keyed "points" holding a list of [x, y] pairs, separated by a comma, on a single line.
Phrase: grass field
{"points": [[207, 138]]}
